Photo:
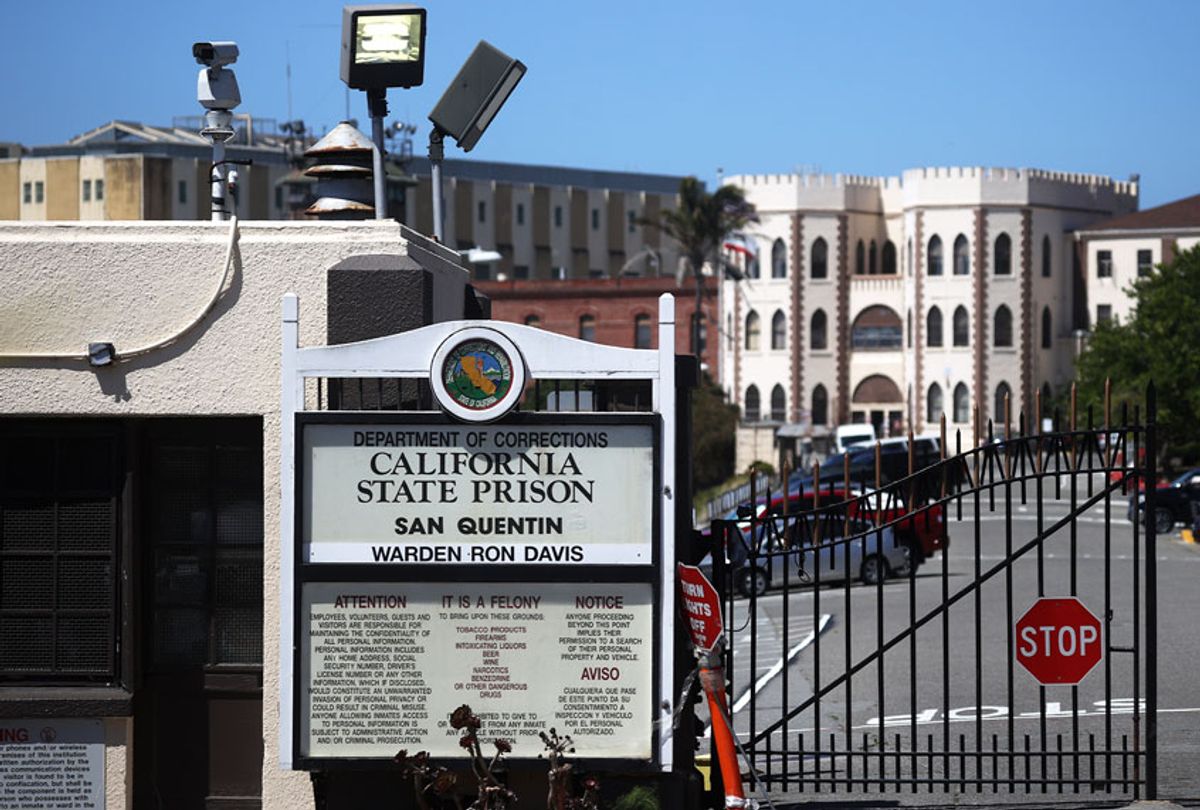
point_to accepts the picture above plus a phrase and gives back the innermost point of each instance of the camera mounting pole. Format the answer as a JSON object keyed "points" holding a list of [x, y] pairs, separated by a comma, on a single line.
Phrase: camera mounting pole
{"points": [[437, 152], [217, 91]]}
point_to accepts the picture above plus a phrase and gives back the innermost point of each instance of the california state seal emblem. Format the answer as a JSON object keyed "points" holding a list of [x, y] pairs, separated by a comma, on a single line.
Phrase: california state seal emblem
{"points": [[478, 374]]}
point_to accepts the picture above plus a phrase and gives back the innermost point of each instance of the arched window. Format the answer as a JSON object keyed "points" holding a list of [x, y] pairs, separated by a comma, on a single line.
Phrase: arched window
{"points": [[876, 328], [933, 327], [962, 259], [779, 259], [1045, 257], [962, 335], [1047, 329], [587, 327], [935, 256], [779, 330], [1002, 255], [934, 406], [752, 264], [753, 327], [872, 266], [752, 412], [816, 330], [533, 320], [909, 256], [908, 329], [778, 404], [820, 259], [962, 405], [860, 259], [889, 259], [1002, 327], [820, 406], [641, 332], [1003, 393]]}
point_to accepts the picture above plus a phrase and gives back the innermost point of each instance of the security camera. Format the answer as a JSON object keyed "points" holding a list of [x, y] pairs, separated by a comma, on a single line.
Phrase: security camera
{"points": [[216, 86], [215, 54]]}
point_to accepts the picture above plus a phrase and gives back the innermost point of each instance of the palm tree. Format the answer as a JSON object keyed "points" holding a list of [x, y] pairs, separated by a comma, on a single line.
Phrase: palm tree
{"points": [[700, 226]]}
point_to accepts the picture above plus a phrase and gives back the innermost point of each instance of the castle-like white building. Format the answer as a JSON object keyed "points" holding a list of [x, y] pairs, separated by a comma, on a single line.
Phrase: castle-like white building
{"points": [[893, 300]]}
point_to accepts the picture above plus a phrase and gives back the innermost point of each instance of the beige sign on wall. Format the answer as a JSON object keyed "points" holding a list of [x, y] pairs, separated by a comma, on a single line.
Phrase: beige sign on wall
{"points": [[384, 665], [457, 493]]}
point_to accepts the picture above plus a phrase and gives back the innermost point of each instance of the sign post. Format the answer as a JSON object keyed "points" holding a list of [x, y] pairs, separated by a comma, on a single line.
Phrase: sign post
{"points": [[702, 607], [515, 560], [1059, 641]]}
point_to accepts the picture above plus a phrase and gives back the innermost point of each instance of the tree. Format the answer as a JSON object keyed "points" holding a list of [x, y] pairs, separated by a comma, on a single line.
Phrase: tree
{"points": [[714, 425], [1161, 343], [700, 226]]}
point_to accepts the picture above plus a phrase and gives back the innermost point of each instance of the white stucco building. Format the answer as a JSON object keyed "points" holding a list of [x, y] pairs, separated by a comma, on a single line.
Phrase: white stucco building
{"points": [[893, 300]]}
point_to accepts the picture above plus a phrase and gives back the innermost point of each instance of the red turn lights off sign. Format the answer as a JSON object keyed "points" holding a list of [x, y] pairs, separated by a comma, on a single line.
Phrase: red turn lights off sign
{"points": [[702, 606], [1059, 641]]}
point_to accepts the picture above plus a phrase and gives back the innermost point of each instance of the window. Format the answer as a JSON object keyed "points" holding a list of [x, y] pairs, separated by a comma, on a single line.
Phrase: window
{"points": [[778, 404], [934, 406], [752, 332], [820, 256], [39, 191], [87, 190], [728, 333], [933, 327], [521, 272], [60, 518], [533, 320], [876, 328], [596, 273], [559, 273], [962, 259], [935, 256], [279, 197], [909, 255], [961, 331], [1002, 255], [595, 219], [483, 272], [520, 213], [752, 266], [820, 406], [779, 330], [1103, 264], [99, 190], [962, 407], [779, 259], [859, 259], [1145, 259], [641, 332], [1002, 327], [889, 259], [182, 192], [481, 207], [1103, 313], [872, 266], [558, 216], [1003, 397], [817, 330], [751, 410], [632, 218], [27, 193], [587, 328], [1047, 329], [1046, 257], [908, 340]]}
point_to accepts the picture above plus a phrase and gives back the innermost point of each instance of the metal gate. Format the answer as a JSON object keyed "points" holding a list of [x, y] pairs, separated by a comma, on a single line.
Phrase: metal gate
{"points": [[870, 614]]}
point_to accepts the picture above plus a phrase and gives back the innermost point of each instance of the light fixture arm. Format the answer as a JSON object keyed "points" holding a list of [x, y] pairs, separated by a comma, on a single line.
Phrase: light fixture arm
{"points": [[378, 109], [437, 152]]}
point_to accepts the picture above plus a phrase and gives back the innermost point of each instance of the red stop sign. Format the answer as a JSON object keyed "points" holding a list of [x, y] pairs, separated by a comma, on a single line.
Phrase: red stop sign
{"points": [[701, 606], [1059, 641]]}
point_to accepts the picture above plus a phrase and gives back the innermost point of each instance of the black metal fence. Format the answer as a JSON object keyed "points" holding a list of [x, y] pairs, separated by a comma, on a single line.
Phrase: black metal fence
{"points": [[871, 643]]}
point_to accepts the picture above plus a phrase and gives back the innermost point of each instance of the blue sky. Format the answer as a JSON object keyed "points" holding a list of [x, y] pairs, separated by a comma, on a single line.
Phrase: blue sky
{"points": [[675, 87]]}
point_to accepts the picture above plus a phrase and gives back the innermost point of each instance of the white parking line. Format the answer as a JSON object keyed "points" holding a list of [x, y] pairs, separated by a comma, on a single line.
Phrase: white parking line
{"points": [[777, 667]]}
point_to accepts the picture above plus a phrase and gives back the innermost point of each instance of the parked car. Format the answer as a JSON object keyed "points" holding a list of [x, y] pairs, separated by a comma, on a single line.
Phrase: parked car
{"points": [[800, 555], [923, 530], [1172, 501], [846, 436]]}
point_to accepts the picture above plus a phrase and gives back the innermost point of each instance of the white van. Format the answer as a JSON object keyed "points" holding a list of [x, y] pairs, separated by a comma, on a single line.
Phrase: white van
{"points": [[846, 435]]}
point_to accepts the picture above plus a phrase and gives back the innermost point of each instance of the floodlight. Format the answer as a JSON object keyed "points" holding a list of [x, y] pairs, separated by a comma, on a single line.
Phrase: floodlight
{"points": [[383, 46], [482, 85]]}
